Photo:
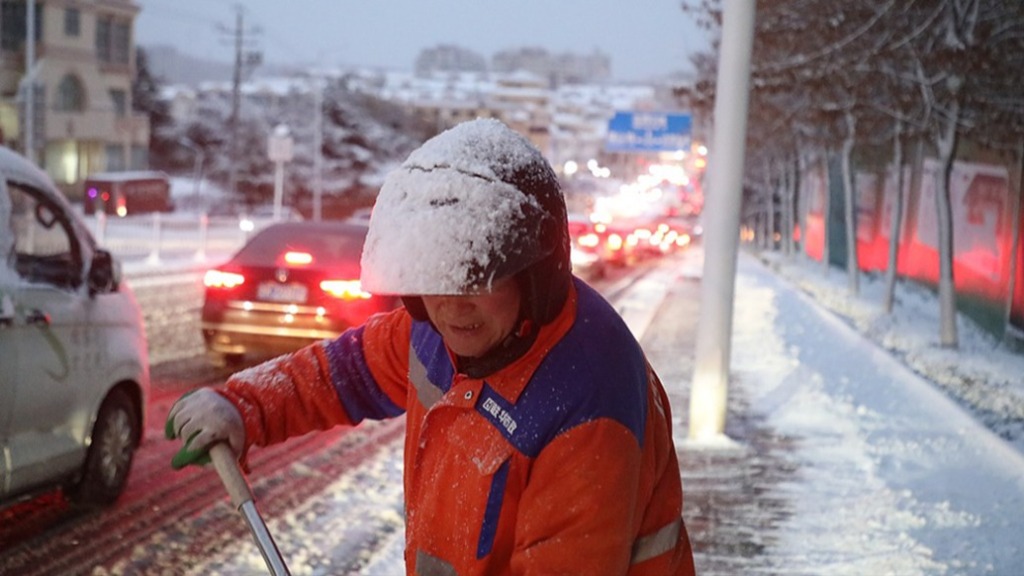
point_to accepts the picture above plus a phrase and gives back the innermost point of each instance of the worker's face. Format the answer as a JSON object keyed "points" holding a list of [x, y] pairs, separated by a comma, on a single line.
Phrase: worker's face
{"points": [[473, 324]]}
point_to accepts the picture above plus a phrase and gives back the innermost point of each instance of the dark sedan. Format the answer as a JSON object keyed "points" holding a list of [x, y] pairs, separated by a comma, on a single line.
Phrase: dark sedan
{"points": [[292, 284]]}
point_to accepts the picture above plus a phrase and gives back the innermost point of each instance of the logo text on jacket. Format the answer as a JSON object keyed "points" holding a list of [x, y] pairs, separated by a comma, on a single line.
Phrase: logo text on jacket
{"points": [[500, 414]]}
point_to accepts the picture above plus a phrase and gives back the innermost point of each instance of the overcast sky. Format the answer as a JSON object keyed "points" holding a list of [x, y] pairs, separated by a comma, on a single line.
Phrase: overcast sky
{"points": [[644, 38]]}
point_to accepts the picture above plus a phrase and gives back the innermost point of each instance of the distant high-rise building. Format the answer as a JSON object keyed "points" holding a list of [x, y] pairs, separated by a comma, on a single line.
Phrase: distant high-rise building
{"points": [[448, 58]]}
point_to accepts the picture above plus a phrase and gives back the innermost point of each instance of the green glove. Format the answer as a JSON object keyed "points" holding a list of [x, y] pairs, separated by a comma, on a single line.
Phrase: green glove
{"points": [[202, 418]]}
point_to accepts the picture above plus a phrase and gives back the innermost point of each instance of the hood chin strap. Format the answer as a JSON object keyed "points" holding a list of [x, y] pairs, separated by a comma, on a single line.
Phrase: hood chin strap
{"points": [[508, 351]]}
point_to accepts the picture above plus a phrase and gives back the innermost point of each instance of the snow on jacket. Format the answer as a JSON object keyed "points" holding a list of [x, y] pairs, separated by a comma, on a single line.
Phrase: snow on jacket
{"points": [[560, 463]]}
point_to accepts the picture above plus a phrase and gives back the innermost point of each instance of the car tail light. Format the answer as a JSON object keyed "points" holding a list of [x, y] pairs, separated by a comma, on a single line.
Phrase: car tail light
{"points": [[298, 258], [344, 289], [589, 240], [615, 241], [221, 279]]}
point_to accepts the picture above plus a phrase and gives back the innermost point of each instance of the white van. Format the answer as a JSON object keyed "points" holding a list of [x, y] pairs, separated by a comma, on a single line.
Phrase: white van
{"points": [[74, 372]]}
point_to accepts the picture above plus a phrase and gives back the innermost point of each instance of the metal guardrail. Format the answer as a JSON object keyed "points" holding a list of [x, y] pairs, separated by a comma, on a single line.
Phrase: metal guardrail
{"points": [[158, 237]]}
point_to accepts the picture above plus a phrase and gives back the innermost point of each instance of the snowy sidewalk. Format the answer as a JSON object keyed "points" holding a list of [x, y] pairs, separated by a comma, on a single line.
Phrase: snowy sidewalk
{"points": [[846, 461]]}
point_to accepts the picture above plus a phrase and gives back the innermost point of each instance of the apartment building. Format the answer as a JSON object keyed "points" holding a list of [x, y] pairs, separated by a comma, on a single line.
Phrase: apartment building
{"points": [[442, 100], [521, 99], [84, 64]]}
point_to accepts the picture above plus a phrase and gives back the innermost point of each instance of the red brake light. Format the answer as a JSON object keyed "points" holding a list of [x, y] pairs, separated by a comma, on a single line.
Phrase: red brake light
{"points": [[344, 289], [615, 241], [298, 258], [590, 240], [221, 279]]}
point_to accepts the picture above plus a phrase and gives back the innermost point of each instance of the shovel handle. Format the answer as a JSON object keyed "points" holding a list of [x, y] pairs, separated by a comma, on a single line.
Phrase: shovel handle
{"points": [[241, 497], [230, 474]]}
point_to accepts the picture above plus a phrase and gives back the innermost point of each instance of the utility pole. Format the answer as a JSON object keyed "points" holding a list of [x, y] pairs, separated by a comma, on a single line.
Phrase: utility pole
{"points": [[235, 101], [243, 60], [29, 128], [318, 157]]}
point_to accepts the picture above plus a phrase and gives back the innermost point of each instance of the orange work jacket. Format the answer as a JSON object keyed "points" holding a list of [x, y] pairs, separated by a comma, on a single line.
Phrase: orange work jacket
{"points": [[561, 462]]}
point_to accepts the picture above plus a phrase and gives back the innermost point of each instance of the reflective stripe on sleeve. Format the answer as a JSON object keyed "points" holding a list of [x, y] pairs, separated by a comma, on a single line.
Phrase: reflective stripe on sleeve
{"points": [[657, 543], [428, 565], [427, 393]]}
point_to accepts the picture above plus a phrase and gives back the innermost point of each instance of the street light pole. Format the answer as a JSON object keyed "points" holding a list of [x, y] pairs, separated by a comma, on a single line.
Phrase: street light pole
{"points": [[721, 223], [279, 151]]}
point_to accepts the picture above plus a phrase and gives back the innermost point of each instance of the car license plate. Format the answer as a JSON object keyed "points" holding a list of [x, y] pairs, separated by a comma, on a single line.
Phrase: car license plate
{"points": [[274, 292]]}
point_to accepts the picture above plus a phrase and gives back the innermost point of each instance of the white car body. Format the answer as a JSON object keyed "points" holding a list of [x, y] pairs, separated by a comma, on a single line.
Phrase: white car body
{"points": [[74, 369]]}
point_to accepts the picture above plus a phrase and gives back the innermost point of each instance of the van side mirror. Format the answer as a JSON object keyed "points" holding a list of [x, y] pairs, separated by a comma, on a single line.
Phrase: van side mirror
{"points": [[104, 273]]}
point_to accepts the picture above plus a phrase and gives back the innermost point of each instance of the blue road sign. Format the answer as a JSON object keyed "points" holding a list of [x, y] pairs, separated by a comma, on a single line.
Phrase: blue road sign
{"points": [[648, 132]]}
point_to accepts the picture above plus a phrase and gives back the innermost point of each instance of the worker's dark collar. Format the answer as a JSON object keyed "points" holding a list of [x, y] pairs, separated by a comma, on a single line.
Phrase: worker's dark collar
{"points": [[510, 376], [508, 351]]}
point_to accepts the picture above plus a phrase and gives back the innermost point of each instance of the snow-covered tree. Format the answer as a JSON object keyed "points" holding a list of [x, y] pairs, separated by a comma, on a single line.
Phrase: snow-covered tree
{"points": [[146, 100], [363, 137], [969, 75], [848, 75]]}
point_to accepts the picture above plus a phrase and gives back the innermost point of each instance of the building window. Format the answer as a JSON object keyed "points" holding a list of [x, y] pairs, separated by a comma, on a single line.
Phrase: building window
{"points": [[103, 39], [140, 158], [113, 40], [120, 42], [72, 22], [12, 24], [115, 158], [70, 95], [120, 99]]}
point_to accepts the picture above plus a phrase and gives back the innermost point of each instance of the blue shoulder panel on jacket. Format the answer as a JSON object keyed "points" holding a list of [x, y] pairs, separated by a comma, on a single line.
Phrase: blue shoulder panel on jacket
{"points": [[596, 371], [352, 380]]}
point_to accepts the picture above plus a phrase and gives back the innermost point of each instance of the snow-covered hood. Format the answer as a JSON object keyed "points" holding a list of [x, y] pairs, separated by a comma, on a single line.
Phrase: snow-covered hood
{"points": [[448, 220]]}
